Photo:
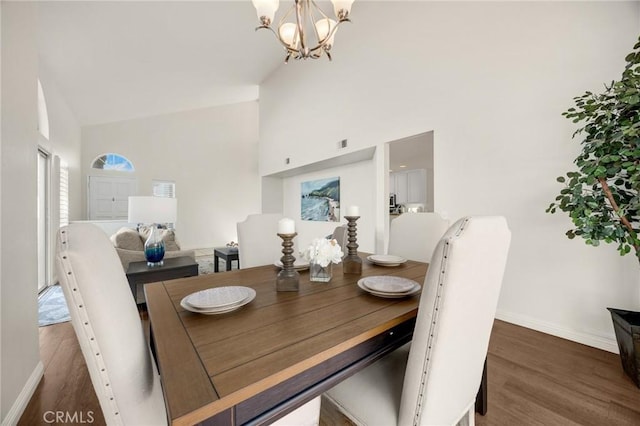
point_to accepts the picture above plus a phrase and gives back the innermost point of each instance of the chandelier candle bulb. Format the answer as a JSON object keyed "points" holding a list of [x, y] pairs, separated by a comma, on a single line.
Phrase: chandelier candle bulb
{"points": [[286, 226], [288, 35], [266, 10], [326, 27], [342, 8]]}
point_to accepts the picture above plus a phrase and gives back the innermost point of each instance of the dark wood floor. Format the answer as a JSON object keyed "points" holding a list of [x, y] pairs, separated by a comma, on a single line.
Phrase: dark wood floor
{"points": [[534, 379]]}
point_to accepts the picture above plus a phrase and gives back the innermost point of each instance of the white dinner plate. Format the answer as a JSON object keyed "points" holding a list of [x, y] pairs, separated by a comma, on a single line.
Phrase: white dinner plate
{"points": [[219, 310], [386, 259], [416, 289], [218, 297], [298, 265], [389, 284]]}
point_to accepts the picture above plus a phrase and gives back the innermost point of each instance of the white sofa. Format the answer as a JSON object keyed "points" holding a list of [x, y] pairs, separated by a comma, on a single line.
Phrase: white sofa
{"points": [[129, 244]]}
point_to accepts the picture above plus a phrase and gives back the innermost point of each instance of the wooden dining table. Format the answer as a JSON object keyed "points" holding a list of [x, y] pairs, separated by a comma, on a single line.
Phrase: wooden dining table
{"points": [[263, 360]]}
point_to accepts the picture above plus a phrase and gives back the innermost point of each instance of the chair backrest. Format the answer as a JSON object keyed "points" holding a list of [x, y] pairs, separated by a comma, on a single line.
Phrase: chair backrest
{"points": [[258, 241], [455, 317], [106, 321], [415, 235], [342, 237]]}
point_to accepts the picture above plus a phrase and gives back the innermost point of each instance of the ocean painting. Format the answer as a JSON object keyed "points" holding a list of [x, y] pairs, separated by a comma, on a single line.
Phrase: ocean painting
{"points": [[320, 200]]}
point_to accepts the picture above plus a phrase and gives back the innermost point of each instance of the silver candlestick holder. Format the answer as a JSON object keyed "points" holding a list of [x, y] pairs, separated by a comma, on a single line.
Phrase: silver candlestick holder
{"points": [[288, 278], [352, 264]]}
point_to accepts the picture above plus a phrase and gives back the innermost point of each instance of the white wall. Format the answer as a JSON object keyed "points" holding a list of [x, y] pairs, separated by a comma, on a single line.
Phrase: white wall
{"points": [[64, 143], [20, 366], [352, 193], [210, 153], [64, 137], [491, 79]]}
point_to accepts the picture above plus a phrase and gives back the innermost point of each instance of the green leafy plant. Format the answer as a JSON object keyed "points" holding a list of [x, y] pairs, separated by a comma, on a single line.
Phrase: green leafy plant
{"points": [[602, 195]]}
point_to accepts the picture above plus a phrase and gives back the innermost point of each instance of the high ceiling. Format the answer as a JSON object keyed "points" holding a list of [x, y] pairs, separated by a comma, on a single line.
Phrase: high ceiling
{"points": [[120, 60], [115, 61]]}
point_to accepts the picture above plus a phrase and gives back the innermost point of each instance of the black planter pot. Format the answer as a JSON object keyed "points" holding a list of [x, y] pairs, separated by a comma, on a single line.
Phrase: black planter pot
{"points": [[627, 327]]}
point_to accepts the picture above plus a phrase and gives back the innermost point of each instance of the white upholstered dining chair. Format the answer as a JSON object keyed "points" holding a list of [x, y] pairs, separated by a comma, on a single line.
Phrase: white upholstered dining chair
{"points": [[106, 321], [258, 241], [415, 235], [341, 235], [434, 379]]}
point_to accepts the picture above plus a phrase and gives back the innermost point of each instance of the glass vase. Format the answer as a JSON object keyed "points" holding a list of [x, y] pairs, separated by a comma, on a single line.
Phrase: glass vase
{"points": [[154, 248], [319, 273]]}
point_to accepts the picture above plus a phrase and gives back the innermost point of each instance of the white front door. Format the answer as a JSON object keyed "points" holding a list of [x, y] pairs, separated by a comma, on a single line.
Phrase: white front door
{"points": [[109, 197]]}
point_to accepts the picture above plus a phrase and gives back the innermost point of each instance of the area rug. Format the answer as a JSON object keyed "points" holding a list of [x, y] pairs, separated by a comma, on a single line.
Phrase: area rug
{"points": [[205, 264], [52, 307]]}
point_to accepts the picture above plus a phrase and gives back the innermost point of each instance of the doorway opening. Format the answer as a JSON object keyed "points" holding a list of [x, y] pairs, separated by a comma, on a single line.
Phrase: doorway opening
{"points": [[411, 173], [409, 179], [43, 220]]}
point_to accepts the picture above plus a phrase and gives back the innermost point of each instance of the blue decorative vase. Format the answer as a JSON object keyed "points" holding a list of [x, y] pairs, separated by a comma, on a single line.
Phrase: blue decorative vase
{"points": [[154, 248]]}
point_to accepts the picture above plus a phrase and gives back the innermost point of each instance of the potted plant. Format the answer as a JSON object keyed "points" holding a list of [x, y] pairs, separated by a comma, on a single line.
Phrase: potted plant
{"points": [[602, 196]]}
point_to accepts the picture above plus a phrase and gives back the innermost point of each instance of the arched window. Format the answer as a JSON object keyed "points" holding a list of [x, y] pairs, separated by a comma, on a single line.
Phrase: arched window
{"points": [[43, 115], [112, 161]]}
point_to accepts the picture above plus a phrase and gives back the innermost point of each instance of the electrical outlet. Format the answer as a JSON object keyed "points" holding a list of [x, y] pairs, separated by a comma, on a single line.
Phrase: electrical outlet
{"points": [[342, 143]]}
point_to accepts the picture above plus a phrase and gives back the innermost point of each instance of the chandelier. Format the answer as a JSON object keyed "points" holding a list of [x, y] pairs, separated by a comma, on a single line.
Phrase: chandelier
{"points": [[309, 18]]}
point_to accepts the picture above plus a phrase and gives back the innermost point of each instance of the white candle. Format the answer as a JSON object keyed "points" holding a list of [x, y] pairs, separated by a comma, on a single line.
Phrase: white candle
{"points": [[353, 211], [286, 226]]}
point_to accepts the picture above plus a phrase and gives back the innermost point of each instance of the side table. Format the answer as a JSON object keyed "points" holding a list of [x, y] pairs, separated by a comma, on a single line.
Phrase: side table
{"points": [[228, 254], [174, 267]]}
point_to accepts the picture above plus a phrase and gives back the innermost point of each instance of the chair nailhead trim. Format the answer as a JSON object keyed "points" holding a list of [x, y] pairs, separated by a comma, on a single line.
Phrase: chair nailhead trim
{"points": [[432, 334], [77, 300]]}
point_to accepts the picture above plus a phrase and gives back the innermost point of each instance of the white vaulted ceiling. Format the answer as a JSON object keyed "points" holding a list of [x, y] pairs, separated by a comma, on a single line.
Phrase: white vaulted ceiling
{"points": [[115, 61]]}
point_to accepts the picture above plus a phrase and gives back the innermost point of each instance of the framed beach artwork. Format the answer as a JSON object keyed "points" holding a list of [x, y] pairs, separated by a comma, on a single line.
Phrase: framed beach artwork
{"points": [[320, 200]]}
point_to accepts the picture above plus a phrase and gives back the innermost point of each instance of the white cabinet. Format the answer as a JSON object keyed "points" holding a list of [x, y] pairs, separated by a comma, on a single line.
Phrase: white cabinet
{"points": [[392, 183], [417, 186], [402, 187], [409, 186]]}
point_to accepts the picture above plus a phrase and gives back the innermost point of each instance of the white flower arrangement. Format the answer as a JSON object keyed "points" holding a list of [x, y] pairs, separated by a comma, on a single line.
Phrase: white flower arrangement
{"points": [[323, 251]]}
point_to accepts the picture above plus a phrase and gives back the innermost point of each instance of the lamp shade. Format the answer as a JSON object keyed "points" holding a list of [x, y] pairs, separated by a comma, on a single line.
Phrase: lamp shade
{"points": [[288, 34], [146, 209], [324, 27], [342, 5], [266, 8]]}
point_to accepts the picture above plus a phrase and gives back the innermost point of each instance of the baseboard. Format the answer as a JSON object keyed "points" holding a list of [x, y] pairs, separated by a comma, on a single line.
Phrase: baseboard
{"points": [[594, 340], [18, 407]]}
